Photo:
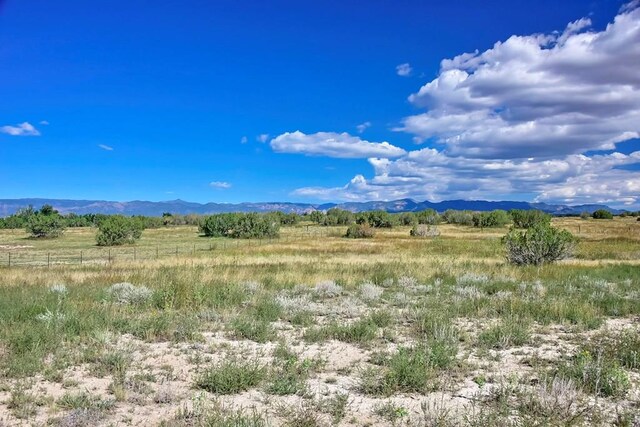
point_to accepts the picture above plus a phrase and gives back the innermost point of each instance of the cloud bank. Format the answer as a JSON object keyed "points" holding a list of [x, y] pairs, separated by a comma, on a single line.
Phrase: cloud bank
{"points": [[331, 144], [521, 118]]}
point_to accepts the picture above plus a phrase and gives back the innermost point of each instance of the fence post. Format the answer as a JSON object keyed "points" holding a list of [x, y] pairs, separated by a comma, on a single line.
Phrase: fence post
{"points": [[48, 259], [109, 256]]}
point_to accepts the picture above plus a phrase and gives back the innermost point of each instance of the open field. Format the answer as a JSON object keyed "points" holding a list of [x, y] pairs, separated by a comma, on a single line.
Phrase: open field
{"points": [[316, 330]]}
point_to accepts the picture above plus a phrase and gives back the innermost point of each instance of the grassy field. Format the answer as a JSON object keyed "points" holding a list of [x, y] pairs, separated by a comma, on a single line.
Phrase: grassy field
{"points": [[312, 329]]}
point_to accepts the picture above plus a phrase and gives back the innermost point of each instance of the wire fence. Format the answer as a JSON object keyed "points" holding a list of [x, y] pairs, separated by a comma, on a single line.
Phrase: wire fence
{"points": [[23, 256]]}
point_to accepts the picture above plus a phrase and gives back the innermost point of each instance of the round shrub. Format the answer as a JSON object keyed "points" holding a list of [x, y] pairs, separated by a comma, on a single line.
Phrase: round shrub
{"points": [[119, 230], [42, 226], [538, 245], [359, 231], [602, 214]]}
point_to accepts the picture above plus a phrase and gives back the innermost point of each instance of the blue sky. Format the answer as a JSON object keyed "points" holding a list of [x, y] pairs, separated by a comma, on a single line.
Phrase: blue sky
{"points": [[232, 101]]}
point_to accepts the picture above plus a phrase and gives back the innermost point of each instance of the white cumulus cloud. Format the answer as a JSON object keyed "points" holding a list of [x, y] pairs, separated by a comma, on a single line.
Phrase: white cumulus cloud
{"points": [[363, 126], [22, 129], [331, 144], [220, 185], [537, 95], [404, 70], [263, 137], [522, 118]]}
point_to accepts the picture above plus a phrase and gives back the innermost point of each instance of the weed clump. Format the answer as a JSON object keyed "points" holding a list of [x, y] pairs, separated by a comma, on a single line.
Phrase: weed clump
{"points": [[231, 377], [598, 373], [127, 293]]}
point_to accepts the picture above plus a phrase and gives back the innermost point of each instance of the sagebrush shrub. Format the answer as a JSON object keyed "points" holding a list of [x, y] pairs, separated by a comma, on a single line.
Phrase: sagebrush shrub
{"points": [[370, 292], [424, 230], [538, 245], [127, 293], [327, 289]]}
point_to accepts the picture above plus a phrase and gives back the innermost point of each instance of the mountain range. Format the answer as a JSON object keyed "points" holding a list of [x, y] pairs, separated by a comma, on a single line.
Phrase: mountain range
{"points": [[137, 207]]}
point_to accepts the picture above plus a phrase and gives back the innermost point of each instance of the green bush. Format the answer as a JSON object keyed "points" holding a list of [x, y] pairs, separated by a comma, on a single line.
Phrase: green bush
{"points": [[376, 219], [538, 245], [359, 231], [452, 216], [528, 218], [255, 226], [497, 218], [119, 230], [427, 216], [602, 214], [220, 225], [241, 225], [337, 216], [45, 226]]}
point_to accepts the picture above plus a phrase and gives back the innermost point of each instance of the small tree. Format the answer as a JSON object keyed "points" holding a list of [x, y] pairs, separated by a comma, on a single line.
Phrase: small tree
{"points": [[538, 245], [315, 216], [119, 230], [602, 214], [359, 231], [528, 218], [458, 217], [428, 216], [376, 219]]}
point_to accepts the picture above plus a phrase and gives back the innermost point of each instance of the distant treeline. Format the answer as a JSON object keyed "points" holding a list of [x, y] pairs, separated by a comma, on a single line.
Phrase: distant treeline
{"points": [[47, 215]]}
